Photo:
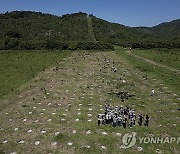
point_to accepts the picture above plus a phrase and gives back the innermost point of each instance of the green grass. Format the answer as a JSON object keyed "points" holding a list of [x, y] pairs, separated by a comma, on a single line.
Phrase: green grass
{"points": [[151, 71], [168, 57], [18, 67], [83, 85]]}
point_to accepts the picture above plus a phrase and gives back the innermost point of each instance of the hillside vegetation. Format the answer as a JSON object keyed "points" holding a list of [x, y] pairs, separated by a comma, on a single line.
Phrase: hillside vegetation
{"points": [[166, 35], [36, 30]]}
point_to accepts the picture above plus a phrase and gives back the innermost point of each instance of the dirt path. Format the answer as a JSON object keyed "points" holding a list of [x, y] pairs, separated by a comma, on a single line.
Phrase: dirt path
{"points": [[154, 63], [57, 111]]}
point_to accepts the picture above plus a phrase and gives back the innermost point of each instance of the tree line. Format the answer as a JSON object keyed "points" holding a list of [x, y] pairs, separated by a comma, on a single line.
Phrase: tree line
{"points": [[157, 44], [52, 44]]}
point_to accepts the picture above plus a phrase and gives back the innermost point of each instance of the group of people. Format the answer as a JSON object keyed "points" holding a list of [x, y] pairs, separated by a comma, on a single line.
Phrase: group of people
{"points": [[107, 63], [120, 116]]}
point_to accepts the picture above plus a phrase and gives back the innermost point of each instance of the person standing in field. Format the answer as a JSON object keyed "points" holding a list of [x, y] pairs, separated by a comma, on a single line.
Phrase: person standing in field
{"points": [[119, 120], [131, 122], [141, 119], [114, 121], [99, 120], [124, 123], [103, 120], [152, 92], [107, 118], [147, 118]]}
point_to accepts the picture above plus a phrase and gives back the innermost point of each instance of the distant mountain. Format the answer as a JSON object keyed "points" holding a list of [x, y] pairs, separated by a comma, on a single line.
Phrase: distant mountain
{"points": [[116, 33], [29, 28], [167, 29]]}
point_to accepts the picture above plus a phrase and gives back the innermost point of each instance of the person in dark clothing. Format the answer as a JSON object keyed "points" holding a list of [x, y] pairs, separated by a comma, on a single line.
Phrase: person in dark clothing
{"points": [[140, 119], [126, 118], [103, 120], [119, 121], [107, 118], [134, 119], [99, 120], [114, 121], [147, 120], [131, 123], [125, 111], [124, 123]]}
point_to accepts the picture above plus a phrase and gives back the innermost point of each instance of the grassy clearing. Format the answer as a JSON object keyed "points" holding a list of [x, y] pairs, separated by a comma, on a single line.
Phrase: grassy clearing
{"points": [[78, 90], [168, 57], [18, 67], [151, 71]]}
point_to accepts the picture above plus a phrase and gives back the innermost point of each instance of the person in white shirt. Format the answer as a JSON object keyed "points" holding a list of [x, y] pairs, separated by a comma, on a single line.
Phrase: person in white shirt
{"points": [[152, 92]]}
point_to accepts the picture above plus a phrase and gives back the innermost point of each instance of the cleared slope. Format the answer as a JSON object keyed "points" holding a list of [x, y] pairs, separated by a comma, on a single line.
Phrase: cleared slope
{"points": [[90, 29]]}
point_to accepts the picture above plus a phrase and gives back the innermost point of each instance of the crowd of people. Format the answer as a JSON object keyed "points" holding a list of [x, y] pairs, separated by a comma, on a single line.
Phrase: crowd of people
{"points": [[119, 116]]}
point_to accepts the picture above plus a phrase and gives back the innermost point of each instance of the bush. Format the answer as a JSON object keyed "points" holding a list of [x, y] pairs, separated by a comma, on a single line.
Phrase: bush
{"points": [[94, 46], [11, 43], [31, 45], [51, 44], [12, 34], [1, 45], [160, 44]]}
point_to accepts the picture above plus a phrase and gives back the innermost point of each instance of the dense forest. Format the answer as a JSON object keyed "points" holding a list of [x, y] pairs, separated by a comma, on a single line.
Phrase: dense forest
{"points": [[36, 30]]}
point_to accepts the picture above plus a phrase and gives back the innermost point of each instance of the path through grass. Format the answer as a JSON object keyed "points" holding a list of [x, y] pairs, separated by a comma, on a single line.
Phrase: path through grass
{"points": [[168, 57]]}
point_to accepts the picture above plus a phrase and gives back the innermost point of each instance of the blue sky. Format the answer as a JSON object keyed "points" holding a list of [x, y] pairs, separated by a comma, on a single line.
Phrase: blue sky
{"points": [[127, 12]]}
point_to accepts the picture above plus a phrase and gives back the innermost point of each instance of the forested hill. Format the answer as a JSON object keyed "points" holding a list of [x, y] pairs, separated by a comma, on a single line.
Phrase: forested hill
{"points": [[116, 33], [163, 35], [38, 26], [36, 30], [168, 29]]}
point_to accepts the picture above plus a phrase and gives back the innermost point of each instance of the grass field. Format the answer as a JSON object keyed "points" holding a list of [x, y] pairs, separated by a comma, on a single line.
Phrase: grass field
{"points": [[58, 112], [166, 76], [169, 57], [19, 67]]}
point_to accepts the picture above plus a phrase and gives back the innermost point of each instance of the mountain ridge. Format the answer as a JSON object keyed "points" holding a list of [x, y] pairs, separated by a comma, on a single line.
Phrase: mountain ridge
{"points": [[29, 26], [41, 13]]}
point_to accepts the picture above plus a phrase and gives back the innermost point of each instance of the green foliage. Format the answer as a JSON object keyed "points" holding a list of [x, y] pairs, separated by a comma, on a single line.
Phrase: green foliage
{"points": [[35, 30], [31, 45], [157, 44], [94, 46], [167, 30], [11, 43], [51, 44], [143, 37], [1, 44], [35, 26], [115, 33], [12, 34], [88, 45]]}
